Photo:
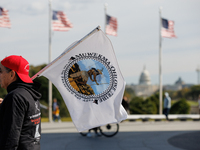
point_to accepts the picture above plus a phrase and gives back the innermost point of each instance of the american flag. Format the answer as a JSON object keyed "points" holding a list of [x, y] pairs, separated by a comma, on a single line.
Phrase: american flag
{"points": [[111, 25], [4, 18], [60, 22], [167, 29]]}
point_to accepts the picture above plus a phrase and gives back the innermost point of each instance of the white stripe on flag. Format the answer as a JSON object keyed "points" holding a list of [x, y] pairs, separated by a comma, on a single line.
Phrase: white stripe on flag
{"points": [[168, 33], [111, 26], [62, 24], [4, 19]]}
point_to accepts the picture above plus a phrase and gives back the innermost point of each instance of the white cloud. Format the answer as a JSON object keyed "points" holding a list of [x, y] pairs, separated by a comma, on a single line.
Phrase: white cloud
{"points": [[37, 6]]}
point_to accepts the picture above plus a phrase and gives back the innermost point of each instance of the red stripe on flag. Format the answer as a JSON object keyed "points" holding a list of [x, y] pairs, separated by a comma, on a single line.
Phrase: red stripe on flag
{"points": [[168, 33], [4, 19], [62, 24], [111, 27]]}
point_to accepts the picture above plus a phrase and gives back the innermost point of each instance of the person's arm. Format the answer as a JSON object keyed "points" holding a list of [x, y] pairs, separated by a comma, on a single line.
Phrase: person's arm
{"points": [[12, 122], [1, 100], [43, 106]]}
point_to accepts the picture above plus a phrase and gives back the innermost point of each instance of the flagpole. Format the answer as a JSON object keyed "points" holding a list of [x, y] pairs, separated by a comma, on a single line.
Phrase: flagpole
{"points": [[198, 75], [105, 11], [65, 52], [50, 84], [160, 66]]}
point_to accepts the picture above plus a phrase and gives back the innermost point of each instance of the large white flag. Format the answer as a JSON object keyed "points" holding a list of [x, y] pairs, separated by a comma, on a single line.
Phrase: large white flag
{"points": [[90, 82]]}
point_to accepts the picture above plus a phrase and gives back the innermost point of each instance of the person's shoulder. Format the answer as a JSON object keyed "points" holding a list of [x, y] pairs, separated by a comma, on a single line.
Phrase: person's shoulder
{"points": [[14, 99], [19, 94], [18, 91]]}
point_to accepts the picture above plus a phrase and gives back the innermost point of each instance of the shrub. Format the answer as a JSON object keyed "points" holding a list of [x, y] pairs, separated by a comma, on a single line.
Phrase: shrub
{"points": [[180, 107], [155, 99], [140, 106]]}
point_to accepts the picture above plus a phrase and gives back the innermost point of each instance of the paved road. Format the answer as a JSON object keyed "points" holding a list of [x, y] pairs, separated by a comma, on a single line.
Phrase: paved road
{"points": [[174, 135]]}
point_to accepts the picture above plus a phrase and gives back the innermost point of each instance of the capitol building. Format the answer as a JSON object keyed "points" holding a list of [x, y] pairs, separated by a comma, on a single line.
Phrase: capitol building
{"points": [[146, 89]]}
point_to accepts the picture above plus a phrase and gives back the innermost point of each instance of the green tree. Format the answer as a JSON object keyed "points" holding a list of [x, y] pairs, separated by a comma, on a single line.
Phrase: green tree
{"points": [[129, 93], [182, 93], [136, 105], [3, 93], [180, 107], [140, 106], [149, 107], [194, 92], [155, 99]]}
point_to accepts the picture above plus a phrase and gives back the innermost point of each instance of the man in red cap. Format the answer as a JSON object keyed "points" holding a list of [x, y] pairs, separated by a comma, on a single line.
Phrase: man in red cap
{"points": [[20, 126]]}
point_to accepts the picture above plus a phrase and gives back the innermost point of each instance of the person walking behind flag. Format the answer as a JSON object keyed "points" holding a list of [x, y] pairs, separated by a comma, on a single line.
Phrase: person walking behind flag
{"points": [[125, 104], [167, 105], [20, 116], [56, 110], [4, 18]]}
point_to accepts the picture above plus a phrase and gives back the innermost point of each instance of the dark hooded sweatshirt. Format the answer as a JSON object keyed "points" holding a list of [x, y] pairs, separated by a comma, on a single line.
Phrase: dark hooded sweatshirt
{"points": [[20, 126]]}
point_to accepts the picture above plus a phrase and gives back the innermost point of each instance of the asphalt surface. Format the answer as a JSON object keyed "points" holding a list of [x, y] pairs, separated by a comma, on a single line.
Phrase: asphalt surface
{"points": [[175, 135]]}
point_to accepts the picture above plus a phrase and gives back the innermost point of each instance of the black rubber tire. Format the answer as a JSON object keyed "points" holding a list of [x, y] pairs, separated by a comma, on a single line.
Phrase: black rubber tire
{"points": [[109, 130]]}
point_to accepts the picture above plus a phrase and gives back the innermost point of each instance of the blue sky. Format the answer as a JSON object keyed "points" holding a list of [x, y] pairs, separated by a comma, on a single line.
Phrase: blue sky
{"points": [[137, 43]]}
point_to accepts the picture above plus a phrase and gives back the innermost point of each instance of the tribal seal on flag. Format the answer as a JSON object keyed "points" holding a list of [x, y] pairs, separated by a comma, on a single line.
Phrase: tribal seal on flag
{"points": [[88, 77]]}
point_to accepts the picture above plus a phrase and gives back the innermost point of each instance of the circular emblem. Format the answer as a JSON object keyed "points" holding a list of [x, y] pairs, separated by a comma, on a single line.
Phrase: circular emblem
{"points": [[90, 77]]}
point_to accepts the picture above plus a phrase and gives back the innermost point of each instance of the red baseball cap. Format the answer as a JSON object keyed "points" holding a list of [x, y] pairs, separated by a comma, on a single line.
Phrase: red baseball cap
{"points": [[19, 65]]}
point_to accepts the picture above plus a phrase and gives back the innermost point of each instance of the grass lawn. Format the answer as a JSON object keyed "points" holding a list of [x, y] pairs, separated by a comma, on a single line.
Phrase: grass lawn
{"points": [[191, 103]]}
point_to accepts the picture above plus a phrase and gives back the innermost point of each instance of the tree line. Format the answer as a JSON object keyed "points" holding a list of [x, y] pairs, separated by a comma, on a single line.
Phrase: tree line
{"points": [[138, 105], [150, 105]]}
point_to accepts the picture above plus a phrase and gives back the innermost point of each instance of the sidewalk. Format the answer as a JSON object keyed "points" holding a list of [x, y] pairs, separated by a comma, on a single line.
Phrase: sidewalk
{"points": [[162, 135]]}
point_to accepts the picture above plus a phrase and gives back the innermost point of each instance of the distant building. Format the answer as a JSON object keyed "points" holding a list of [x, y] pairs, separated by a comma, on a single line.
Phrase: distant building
{"points": [[145, 89], [172, 87], [178, 85], [179, 82], [145, 78]]}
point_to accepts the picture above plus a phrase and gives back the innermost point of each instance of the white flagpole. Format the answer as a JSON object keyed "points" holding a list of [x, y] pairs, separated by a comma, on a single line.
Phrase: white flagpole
{"points": [[160, 65], [198, 75], [50, 84], [105, 11]]}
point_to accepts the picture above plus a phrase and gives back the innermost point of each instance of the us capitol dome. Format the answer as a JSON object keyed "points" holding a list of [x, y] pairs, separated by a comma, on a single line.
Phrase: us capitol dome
{"points": [[144, 88], [145, 78]]}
